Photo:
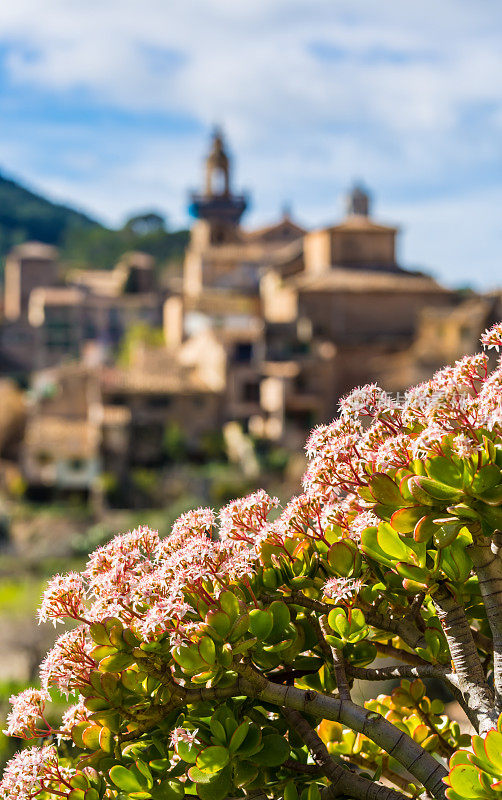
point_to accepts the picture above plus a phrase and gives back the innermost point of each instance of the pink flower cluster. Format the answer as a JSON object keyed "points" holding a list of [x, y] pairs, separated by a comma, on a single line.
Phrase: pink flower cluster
{"points": [[71, 717], [343, 590], [492, 337], [246, 519], [27, 710], [64, 596], [182, 735], [33, 771], [440, 417], [68, 665]]}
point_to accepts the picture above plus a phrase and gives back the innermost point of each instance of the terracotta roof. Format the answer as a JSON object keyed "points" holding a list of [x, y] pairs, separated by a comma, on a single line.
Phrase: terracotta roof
{"points": [[136, 258], [62, 437], [360, 222], [356, 280], [100, 281], [248, 251], [224, 302], [290, 255], [57, 296], [285, 222], [120, 301], [34, 250], [281, 369], [140, 381]]}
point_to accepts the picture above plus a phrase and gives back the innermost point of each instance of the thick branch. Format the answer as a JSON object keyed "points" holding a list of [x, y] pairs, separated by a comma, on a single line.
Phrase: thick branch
{"points": [[402, 671], [404, 627], [336, 659], [389, 651], [487, 560], [417, 761], [464, 655], [343, 780]]}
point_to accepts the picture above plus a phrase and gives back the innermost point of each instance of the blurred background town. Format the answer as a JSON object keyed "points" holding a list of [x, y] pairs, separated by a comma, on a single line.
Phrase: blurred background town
{"points": [[147, 367]]}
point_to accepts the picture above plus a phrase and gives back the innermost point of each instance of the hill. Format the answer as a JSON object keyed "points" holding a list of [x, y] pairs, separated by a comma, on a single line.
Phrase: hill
{"points": [[100, 247], [25, 215], [83, 240]]}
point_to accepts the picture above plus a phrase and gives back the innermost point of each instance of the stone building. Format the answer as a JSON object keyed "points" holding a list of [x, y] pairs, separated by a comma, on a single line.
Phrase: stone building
{"points": [[305, 315], [48, 319]]}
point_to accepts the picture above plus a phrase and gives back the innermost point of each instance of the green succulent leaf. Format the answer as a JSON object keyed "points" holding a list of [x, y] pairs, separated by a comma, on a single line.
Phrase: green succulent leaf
{"points": [[260, 623], [125, 779], [274, 752], [384, 490], [464, 779], [213, 759], [217, 788], [493, 749]]}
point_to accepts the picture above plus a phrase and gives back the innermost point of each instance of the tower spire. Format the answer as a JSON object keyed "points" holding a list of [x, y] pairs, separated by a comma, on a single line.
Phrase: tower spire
{"points": [[358, 201], [217, 204], [217, 167]]}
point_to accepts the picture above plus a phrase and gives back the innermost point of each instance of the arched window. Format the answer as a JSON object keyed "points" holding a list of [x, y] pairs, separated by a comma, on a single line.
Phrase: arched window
{"points": [[218, 181]]}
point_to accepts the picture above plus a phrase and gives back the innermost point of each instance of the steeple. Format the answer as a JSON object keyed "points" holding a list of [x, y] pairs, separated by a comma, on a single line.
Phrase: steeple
{"points": [[218, 205], [217, 167], [358, 202]]}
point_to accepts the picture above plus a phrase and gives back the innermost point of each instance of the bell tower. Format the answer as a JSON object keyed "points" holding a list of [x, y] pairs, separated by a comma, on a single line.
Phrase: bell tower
{"points": [[217, 168], [217, 206], [358, 202]]}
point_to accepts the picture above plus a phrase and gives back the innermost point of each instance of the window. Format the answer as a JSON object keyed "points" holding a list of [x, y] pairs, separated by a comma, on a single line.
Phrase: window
{"points": [[301, 383], [159, 401], [251, 392], [218, 236], [77, 464], [243, 352], [59, 334], [218, 181], [90, 330]]}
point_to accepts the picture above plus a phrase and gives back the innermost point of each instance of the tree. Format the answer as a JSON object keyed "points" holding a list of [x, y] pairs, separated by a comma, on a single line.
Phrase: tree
{"points": [[219, 662], [148, 222]]}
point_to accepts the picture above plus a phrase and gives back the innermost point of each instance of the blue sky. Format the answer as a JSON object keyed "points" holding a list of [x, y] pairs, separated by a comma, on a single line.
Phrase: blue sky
{"points": [[108, 104]]}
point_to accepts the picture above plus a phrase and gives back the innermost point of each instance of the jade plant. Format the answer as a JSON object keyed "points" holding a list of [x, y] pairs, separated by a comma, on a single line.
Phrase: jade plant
{"points": [[222, 661]]}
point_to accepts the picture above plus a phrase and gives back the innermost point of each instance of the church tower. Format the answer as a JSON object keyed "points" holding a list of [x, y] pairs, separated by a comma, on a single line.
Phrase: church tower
{"points": [[358, 202], [218, 207]]}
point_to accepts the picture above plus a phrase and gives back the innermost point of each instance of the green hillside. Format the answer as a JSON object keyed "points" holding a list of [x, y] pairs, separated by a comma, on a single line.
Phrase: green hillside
{"points": [[25, 216], [100, 247], [83, 241]]}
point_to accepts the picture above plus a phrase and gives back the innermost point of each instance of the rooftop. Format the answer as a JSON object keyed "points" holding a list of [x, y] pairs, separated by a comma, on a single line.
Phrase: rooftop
{"points": [[62, 437], [139, 381], [358, 280], [361, 223], [34, 250]]}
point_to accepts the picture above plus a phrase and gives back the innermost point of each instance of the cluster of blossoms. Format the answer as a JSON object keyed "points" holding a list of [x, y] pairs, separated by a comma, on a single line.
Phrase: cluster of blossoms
{"points": [[343, 590], [374, 432], [65, 598], [142, 579], [27, 710], [33, 771], [182, 735], [247, 519], [68, 665]]}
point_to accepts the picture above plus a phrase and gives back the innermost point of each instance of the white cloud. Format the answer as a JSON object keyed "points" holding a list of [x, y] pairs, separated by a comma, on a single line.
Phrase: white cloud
{"points": [[311, 92]]}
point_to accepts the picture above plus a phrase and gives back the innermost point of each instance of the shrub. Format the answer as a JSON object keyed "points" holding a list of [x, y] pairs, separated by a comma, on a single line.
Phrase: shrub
{"points": [[219, 662]]}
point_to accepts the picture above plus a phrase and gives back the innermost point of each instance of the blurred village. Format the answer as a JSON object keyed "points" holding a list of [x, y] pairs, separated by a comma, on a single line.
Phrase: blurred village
{"points": [[128, 395]]}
